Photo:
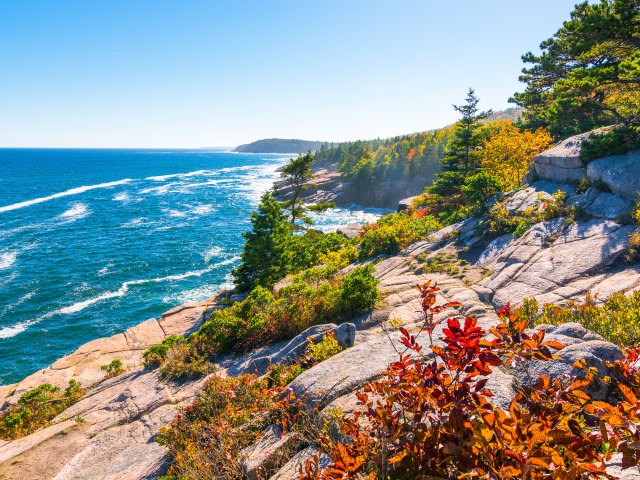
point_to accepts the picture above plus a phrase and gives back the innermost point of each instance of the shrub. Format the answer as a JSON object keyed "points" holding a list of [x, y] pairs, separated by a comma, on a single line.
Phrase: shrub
{"points": [[339, 258], [617, 318], [113, 369], [36, 408], [433, 418], [206, 438], [395, 232], [614, 142], [184, 361], [359, 290], [156, 354], [478, 190], [501, 221], [324, 349]]}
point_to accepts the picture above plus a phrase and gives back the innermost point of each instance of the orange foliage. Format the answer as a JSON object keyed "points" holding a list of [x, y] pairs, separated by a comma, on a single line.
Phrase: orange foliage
{"points": [[432, 418]]}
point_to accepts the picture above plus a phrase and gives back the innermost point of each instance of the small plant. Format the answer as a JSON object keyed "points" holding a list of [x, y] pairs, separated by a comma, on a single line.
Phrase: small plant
{"points": [[614, 142], [501, 221], [395, 323], [617, 318], [156, 354], [185, 361], [113, 369], [36, 408], [324, 349], [359, 290]]}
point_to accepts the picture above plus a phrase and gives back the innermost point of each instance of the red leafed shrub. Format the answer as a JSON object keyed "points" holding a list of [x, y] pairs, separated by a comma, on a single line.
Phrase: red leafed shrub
{"points": [[432, 416]]}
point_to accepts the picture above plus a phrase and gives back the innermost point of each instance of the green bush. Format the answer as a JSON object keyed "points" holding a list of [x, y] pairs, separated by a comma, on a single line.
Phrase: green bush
{"points": [[324, 349], [396, 231], [183, 361], [156, 354], [617, 319], [113, 368], [36, 408], [615, 142], [359, 290]]}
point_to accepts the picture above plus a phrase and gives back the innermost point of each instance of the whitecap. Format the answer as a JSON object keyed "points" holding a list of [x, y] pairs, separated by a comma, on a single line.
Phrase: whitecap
{"points": [[7, 259], [122, 197], [161, 190], [175, 213], [72, 191], [136, 222], [213, 252], [196, 294], [14, 330], [162, 178], [76, 212], [18, 302], [202, 209]]}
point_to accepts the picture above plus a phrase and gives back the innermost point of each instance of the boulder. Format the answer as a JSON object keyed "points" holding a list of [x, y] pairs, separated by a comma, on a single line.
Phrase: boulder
{"points": [[605, 205], [291, 470], [549, 256], [621, 173], [405, 203], [579, 344], [561, 163], [350, 231], [530, 196], [614, 468]]}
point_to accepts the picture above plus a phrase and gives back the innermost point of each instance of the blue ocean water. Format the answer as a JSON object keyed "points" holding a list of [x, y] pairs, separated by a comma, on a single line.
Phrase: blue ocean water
{"points": [[95, 241]]}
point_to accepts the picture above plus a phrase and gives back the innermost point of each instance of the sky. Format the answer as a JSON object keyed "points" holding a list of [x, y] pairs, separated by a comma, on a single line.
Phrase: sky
{"points": [[200, 73]]}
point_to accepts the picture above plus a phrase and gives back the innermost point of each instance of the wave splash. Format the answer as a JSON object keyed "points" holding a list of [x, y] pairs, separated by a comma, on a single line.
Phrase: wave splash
{"points": [[66, 193], [12, 331], [7, 259]]}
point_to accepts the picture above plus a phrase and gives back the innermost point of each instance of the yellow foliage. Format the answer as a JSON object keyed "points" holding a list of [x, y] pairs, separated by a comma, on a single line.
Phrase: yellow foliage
{"points": [[508, 151]]}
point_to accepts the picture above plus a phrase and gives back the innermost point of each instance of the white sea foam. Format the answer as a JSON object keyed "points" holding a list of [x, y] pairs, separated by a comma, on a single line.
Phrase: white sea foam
{"points": [[66, 193], [202, 209], [161, 190], [136, 223], [174, 213], [7, 259], [14, 330], [122, 197], [213, 252], [162, 178], [8, 332], [17, 303], [196, 294], [76, 212]]}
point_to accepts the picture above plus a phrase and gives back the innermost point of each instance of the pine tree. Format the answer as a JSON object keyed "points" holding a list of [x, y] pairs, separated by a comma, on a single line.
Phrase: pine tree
{"points": [[461, 158], [461, 155], [265, 256], [296, 173]]}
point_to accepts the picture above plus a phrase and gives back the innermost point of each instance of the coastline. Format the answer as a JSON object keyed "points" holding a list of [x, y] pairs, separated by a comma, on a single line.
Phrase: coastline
{"points": [[84, 363]]}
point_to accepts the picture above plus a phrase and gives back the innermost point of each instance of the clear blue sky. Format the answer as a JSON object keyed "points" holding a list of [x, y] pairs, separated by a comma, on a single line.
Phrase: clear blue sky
{"points": [[192, 73]]}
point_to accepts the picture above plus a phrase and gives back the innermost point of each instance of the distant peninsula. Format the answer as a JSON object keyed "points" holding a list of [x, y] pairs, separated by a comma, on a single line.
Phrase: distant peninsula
{"points": [[279, 145]]}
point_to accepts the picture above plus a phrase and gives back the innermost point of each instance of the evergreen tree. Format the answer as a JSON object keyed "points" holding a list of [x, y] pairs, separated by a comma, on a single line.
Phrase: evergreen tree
{"points": [[461, 158], [588, 73], [296, 173], [266, 249]]}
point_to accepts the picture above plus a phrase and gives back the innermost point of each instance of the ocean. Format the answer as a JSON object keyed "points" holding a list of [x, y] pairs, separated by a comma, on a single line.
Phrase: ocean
{"points": [[95, 241]]}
